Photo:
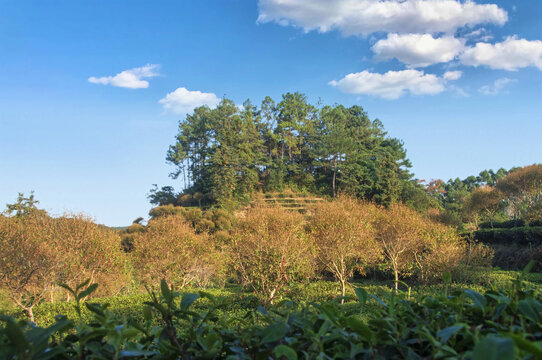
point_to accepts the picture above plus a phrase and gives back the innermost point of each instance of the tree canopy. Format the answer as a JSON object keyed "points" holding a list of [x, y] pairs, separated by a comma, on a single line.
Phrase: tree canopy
{"points": [[226, 153]]}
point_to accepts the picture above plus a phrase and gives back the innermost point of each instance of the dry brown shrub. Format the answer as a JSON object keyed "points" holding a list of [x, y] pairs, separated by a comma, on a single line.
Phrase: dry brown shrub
{"points": [[39, 252], [89, 251], [170, 249], [344, 237], [271, 249]]}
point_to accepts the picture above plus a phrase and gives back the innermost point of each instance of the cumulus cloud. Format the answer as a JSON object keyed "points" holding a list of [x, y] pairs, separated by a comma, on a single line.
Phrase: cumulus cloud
{"points": [[511, 54], [362, 17], [183, 101], [394, 84], [497, 86], [131, 79], [418, 50]]}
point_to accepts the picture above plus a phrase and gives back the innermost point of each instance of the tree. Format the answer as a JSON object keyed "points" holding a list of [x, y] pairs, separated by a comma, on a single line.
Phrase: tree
{"points": [[523, 190], [27, 264], [486, 200], [399, 232], [343, 234], [170, 249], [271, 249], [23, 206]]}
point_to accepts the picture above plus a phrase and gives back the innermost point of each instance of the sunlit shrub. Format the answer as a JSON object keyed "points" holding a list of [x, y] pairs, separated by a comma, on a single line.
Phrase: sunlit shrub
{"points": [[170, 249], [270, 249]]}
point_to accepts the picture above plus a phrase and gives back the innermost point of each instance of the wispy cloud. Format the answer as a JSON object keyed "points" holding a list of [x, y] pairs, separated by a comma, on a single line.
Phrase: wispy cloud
{"points": [[131, 79], [497, 87], [184, 101]]}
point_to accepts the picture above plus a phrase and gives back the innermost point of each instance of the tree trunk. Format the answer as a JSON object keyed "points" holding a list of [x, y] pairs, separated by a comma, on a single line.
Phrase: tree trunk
{"points": [[343, 289], [334, 175], [30, 312], [396, 280]]}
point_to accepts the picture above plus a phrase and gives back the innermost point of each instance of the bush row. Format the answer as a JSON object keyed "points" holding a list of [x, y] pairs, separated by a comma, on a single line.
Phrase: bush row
{"points": [[502, 323], [524, 236], [267, 250]]}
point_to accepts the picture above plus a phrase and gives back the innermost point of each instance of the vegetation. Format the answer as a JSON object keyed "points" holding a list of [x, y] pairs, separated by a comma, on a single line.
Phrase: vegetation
{"points": [[502, 323]]}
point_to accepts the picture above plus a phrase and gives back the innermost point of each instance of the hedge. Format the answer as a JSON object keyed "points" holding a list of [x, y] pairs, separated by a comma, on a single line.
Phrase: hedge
{"points": [[530, 236]]}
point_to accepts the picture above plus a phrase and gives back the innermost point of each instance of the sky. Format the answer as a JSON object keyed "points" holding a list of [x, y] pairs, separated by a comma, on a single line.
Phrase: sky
{"points": [[91, 93]]}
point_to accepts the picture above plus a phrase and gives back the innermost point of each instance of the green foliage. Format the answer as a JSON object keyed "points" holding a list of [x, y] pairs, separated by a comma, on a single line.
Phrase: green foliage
{"points": [[226, 154], [503, 224], [527, 236], [501, 323]]}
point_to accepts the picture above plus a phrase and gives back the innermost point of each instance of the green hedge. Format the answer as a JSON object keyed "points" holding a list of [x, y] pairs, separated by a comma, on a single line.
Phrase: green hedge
{"points": [[531, 236], [503, 225]]}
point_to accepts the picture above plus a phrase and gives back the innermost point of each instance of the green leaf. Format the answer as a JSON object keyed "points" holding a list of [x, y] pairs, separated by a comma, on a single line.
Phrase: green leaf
{"points": [[478, 299], [446, 333], [494, 347], [15, 334], [87, 291], [530, 308], [527, 345], [359, 327], [447, 277], [82, 285], [285, 351], [274, 332], [362, 295], [166, 292], [187, 300]]}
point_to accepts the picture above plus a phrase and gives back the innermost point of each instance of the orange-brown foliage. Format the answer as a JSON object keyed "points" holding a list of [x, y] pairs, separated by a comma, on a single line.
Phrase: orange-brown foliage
{"points": [[170, 249], [270, 249]]}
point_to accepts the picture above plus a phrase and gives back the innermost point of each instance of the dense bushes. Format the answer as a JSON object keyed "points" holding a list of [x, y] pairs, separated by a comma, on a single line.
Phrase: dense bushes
{"points": [[270, 249], [170, 249], [503, 323], [525, 236], [503, 225], [39, 251], [264, 248]]}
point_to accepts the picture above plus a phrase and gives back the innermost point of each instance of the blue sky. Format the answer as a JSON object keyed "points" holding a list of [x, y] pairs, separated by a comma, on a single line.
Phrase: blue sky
{"points": [[459, 82]]}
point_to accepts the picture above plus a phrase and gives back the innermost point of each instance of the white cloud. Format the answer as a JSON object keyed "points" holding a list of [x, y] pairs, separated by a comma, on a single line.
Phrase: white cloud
{"points": [[452, 75], [418, 50], [183, 101], [497, 87], [511, 54], [362, 17], [480, 34], [131, 79], [394, 84]]}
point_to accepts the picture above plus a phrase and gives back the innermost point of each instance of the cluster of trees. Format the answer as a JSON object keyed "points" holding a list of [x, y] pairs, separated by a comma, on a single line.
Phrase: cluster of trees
{"points": [[503, 195], [263, 248], [226, 153]]}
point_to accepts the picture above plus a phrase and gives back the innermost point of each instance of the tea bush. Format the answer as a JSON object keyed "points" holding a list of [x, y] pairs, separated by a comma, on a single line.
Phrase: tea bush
{"points": [[501, 323]]}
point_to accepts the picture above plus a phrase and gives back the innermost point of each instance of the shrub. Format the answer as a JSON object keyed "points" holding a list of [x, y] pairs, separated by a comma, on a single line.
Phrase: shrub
{"points": [[344, 237], [165, 210], [271, 249], [39, 251], [526, 236], [170, 249], [503, 225], [535, 223]]}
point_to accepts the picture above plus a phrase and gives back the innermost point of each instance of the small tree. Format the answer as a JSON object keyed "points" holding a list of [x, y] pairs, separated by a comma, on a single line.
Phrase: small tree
{"points": [[399, 233], [170, 249], [27, 264], [271, 249], [344, 237], [486, 200]]}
